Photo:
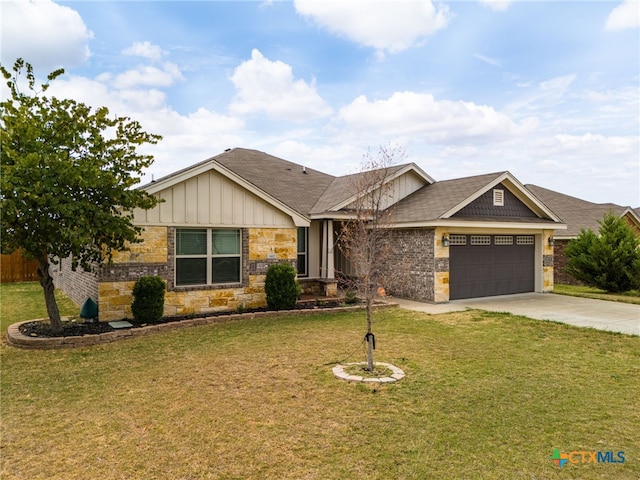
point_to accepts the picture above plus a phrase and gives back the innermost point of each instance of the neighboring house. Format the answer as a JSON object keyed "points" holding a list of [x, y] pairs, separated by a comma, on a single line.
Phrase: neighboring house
{"points": [[223, 221], [578, 215]]}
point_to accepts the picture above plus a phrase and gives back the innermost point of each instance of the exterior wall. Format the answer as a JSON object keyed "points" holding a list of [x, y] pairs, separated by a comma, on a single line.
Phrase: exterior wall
{"points": [[560, 276], [400, 187], [483, 206], [441, 286], [412, 265], [210, 199], [420, 256], [314, 248], [155, 256], [548, 262], [78, 285], [634, 226], [418, 265], [152, 250]]}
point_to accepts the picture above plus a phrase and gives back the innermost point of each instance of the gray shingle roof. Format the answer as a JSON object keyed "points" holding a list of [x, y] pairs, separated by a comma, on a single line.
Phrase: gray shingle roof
{"points": [[432, 201], [286, 181], [311, 192], [574, 212]]}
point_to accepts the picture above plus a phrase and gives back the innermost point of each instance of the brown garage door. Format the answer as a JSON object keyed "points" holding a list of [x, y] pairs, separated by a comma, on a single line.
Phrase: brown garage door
{"points": [[487, 265]]}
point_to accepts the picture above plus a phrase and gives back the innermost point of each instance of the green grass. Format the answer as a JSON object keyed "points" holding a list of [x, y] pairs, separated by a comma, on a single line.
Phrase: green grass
{"points": [[487, 396], [632, 296], [25, 301]]}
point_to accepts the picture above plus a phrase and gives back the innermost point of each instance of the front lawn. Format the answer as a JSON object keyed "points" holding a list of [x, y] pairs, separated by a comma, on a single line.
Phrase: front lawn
{"points": [[632, 296], [487, 396], [25, 301]]}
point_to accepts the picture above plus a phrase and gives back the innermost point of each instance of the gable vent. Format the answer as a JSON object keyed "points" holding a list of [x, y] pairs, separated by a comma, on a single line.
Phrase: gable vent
{"points": [[498, 197]]}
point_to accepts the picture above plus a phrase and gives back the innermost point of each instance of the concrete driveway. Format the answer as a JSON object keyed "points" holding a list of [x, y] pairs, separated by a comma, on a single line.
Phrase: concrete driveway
{"points": [[581, 312]]}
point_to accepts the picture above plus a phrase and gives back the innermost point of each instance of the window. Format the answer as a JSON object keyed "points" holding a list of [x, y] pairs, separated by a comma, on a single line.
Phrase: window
{"points": [[498, 197], [525, 240], [503, 240], [303, 241], [457, 239], [480, 239], [206, 256]]}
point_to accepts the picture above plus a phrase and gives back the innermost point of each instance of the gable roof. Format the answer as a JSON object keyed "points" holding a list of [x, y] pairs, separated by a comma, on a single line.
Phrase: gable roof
{"points": [[305, 193], [579, 214], [341, 191], [304, 190], [439, 201], [283, 184], [294, 185]]}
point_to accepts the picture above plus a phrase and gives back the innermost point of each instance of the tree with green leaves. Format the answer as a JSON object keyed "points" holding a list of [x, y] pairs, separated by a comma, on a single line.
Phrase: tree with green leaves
{"points": [[610, 260], [66, 178]]}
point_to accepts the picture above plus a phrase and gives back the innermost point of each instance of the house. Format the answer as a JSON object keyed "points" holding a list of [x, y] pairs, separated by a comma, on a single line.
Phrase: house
{"points": [[223, 221], [578, 215]]}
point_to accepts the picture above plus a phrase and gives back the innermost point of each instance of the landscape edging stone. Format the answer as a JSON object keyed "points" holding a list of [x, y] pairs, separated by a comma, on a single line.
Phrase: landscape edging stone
{"points": [[15, 338]]}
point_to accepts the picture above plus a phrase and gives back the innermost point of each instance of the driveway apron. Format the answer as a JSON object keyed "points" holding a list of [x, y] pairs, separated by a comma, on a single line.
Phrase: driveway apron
{"points": [[581, 312]]}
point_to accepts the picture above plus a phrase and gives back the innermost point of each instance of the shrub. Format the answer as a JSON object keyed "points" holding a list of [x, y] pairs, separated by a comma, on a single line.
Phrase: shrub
{"points": [[610, 260], [148, 299], [350, 297], [281, 287]]}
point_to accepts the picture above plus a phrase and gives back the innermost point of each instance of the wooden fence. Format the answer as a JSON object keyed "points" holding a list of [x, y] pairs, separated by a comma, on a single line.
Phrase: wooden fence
{"points": [[16, 268]]}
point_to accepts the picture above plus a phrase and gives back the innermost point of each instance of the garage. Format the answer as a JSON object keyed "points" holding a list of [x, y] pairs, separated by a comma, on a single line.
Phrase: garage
{"points": [[488, 265]]}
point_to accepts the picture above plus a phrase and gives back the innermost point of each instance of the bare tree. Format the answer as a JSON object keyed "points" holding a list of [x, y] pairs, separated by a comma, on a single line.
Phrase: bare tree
{"points": [[365, 238]]}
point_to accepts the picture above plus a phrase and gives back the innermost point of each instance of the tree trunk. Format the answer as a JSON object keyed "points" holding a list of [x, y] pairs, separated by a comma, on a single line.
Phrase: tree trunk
{"points": [[369, 335], [46, 280]]}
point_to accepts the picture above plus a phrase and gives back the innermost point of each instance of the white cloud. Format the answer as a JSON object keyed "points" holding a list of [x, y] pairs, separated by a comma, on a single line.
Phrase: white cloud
{"points": [[386, 25], [546, 93], [145, 50], [187, 138], [557, 85], [44, 34], [416, 114], [500, 5], [596, 145], [270, 87], [490, 61], [148, 75], [625, 15]]}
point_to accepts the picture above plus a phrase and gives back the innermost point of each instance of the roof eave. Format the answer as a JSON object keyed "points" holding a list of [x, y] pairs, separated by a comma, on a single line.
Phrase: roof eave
{"points": [[452, 223]]}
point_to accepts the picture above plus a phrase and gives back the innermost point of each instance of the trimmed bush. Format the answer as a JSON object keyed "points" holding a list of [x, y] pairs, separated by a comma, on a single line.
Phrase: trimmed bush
{"points": [[148, 299], [281, 287]]}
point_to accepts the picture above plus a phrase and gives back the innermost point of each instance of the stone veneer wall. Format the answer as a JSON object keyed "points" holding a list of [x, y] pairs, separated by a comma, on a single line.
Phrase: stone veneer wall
{"points": [[261, 247], [411, 264], [548, 262]]}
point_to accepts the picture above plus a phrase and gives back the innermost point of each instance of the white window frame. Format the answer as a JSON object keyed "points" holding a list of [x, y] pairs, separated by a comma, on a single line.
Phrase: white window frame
{"points": [[498, 197]]}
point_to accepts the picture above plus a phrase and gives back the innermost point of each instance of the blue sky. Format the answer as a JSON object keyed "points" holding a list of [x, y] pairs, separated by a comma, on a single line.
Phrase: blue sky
{"points": [[547, 90]]}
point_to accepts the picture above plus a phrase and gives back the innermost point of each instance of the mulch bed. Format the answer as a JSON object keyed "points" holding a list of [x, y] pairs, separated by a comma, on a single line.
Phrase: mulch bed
{"points": [[42, 329]]}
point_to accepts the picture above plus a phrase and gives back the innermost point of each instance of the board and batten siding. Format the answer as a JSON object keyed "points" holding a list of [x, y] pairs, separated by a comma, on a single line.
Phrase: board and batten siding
{"points": [[401, 187], [211, 199]]}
